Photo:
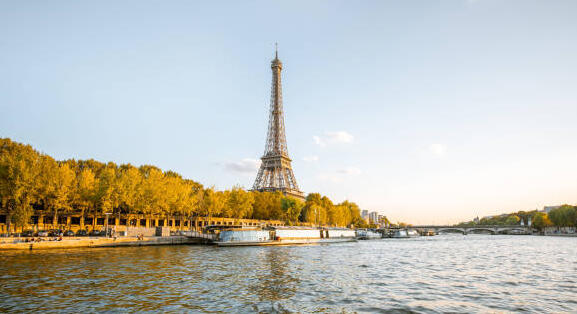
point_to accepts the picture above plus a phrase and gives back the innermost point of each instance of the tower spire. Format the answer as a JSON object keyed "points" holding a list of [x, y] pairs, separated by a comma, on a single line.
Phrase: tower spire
{"points": [[275, 173], [276, 50]]}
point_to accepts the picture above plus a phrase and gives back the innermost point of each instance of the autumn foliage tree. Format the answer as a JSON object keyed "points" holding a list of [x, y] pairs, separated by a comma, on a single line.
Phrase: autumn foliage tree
{"points": [[30, 180]]}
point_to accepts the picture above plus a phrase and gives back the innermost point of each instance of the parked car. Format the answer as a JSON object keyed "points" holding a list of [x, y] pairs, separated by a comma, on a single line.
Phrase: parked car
{"points": [[68, 233], [27, 233], [55, 233], [81, 233], [95, 233], [43, 233]]}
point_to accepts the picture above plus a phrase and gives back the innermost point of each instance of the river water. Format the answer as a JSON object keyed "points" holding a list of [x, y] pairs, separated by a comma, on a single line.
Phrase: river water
{"points": [[451, 273]]}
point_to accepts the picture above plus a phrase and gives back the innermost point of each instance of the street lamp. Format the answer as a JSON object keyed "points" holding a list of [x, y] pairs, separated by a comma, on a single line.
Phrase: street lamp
{"points": [[316, 224], [106, 223]]}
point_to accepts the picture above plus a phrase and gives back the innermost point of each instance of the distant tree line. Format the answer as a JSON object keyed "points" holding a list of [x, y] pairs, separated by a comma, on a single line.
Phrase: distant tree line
{"points": [[32, 181], [564, 216]]}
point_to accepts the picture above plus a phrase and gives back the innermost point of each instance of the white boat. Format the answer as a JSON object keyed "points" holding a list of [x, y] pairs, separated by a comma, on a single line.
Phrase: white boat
{"points": [[283, 236], [405, 233], [364, 234], [413, 233]]}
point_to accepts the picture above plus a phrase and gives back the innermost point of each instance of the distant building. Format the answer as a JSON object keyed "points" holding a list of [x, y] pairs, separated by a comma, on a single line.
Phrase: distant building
{"points": [[476, 220], [374, 217], [547, 209], [365, 215], [493, 216]]}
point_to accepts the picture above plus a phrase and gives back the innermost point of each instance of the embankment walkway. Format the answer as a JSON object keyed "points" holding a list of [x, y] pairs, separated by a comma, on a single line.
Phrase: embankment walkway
{"points": [[93, 242]]}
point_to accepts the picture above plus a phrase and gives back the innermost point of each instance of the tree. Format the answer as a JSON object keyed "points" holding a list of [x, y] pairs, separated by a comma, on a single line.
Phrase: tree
{"points": [[19, 166], [127, 187], [327, 214], [31, 180], [239, 203], [512, 220], [213, 203], [58, 186], [267, 205], [540, 221], [564, 216], [292, 209], [314, 210], [105, 190], [85, 191], [195, 199], [354, 214], [151, 194]]}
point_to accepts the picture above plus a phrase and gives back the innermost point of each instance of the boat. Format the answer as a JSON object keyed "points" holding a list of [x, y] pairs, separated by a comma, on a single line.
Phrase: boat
{"points": [[405, 233], [367, 234], [282, 236], [413, 233], [428, 233]]}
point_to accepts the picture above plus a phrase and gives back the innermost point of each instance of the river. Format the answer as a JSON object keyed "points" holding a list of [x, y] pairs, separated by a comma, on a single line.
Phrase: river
{"points": [[450, 273]]}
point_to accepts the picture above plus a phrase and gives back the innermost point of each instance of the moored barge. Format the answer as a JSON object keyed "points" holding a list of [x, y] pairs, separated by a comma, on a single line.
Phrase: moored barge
{"points": [[283, 236], [368, 234], [405, 233]]}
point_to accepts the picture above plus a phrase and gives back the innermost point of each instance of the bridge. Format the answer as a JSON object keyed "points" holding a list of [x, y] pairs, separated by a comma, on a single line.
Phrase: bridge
{"points": [[492, 229]]}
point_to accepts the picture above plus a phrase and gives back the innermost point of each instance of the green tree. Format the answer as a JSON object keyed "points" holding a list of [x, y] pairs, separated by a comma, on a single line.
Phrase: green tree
{"points": [[564, 216], [292, 209], [511, 220]]}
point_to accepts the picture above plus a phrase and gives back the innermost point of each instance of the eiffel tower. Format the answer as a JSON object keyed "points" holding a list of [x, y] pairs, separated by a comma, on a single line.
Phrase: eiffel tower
{"points": [[275, 173]]}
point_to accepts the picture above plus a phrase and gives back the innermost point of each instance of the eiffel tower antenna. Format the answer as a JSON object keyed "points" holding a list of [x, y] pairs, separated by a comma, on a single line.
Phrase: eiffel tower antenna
{"points": [[275, 173]]}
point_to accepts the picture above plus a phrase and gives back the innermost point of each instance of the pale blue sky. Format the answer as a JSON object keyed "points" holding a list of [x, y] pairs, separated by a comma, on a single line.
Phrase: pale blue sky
{"points": [[426, 111]]}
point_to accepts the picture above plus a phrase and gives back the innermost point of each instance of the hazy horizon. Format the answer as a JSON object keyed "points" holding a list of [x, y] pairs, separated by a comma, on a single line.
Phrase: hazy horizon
{"points": [[425, 111]]}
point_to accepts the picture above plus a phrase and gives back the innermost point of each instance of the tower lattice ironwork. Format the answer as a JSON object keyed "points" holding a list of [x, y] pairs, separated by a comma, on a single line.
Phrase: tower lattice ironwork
{"points": [[275, 173]]}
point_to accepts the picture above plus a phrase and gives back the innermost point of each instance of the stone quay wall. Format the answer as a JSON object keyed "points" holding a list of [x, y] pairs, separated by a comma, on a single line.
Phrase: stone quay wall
{"points": [[122, 222]]}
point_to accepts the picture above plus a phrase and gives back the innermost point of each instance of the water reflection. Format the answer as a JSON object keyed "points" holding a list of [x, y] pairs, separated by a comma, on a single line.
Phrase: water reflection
{"points": [[275, 280]]}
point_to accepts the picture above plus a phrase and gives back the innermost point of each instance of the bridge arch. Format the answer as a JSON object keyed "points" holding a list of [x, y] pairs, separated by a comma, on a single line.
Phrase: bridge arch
{"points": [[508, 229], [491, 231], [452, 230]]}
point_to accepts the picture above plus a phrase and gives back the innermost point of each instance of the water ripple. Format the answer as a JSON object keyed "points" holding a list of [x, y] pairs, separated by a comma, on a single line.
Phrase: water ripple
{"points": [[475, 273]]}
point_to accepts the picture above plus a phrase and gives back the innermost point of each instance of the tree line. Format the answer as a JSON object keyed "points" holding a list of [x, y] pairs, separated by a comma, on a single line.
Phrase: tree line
{"points": [[32, 181], [563, 216]]}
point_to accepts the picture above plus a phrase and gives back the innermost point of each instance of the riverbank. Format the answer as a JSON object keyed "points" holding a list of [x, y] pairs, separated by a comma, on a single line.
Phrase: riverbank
{"points": [[561, 235], [93, 242]]}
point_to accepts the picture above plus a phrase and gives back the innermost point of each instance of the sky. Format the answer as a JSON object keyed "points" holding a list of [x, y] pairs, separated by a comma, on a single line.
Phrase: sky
{"points": [[428, 112]]}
